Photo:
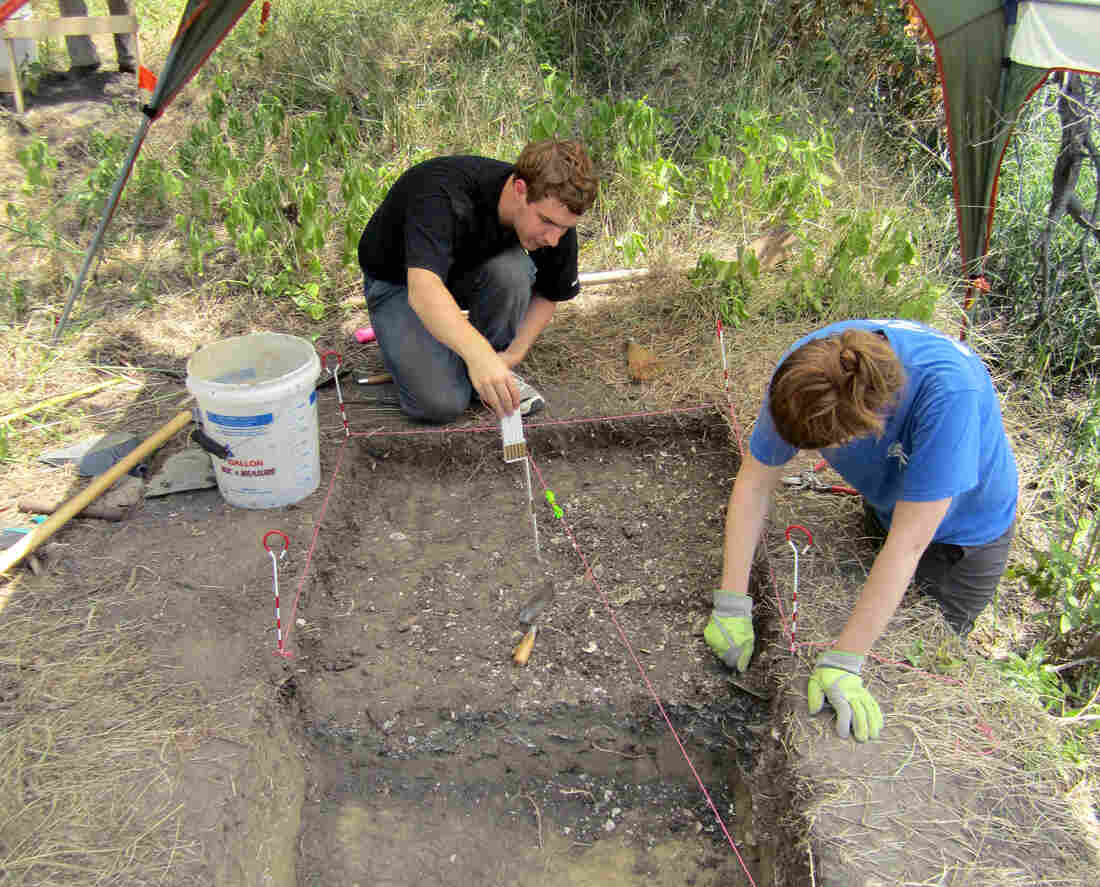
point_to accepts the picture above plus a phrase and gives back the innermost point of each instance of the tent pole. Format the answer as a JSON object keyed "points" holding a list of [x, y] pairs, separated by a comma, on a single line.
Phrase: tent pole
{"points": [[116, 192]]}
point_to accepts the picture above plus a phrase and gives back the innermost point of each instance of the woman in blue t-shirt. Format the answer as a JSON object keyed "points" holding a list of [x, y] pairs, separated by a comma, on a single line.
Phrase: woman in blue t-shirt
{"points": [[910, 419]]}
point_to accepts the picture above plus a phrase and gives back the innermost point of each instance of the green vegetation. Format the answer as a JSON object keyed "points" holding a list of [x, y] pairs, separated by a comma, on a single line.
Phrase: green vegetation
{"points": [[1049, 301], [712, 124]]}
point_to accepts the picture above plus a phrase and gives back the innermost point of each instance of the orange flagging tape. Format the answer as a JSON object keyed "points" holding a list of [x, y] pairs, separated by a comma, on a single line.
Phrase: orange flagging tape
{"points": [[146, 79]]}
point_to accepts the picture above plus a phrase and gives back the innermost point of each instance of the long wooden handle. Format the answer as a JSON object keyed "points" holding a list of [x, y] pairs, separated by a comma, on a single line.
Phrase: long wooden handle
{"points": [[99, 510], [96, 488]]}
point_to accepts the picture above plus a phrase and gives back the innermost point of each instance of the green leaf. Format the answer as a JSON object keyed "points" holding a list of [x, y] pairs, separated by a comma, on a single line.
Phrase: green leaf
{"points": [[751, 262]]}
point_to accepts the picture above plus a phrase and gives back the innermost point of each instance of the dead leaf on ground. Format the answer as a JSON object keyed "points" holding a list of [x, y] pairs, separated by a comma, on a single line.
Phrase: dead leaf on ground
{"points": [[642, 364]]}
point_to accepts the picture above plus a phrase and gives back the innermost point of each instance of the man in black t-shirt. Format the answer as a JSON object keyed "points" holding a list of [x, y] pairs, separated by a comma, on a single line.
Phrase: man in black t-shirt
{"points": [[473, 234]]}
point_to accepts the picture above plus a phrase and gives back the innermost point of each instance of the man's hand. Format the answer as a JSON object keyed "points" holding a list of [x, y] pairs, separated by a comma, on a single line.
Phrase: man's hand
{"points": [[729, 633], [492, 380], [837, 679]]}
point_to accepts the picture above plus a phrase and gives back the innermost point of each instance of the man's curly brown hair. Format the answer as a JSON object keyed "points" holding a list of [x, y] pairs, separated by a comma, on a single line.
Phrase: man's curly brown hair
{"points": [[560, 169]]}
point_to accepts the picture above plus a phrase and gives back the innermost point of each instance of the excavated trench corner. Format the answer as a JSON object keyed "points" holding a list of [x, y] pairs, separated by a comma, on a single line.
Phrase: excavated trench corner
{"points": [[430, 757]]}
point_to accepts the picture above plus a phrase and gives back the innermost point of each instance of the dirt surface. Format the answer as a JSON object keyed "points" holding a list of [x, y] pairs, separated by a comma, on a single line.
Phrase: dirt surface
{"points": [[401, 744], [426, 754], [62, 102]]}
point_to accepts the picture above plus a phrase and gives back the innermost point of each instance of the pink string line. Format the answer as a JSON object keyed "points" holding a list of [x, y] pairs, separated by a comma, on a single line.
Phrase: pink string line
{"points": [[983, 728], [576, 547], [313, 543], [738, 436], [645, 679], [588, 573]]}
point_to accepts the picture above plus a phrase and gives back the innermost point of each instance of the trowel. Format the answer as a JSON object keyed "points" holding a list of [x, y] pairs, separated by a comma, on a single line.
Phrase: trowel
{"points": [[95, 455], [528, 618], [189, 469]]}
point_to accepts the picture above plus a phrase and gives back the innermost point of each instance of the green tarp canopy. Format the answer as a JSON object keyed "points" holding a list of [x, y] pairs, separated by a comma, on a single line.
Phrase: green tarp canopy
{"points": [[991, 57], [203, 25]]}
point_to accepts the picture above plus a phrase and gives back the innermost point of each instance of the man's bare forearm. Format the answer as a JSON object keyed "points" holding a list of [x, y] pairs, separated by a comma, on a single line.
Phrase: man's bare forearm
{"points": [[538, 315], [441, 316]]}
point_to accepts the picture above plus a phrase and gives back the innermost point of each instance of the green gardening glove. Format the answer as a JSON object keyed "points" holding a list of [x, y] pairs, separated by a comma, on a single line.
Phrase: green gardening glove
{"points": [[729, 633], [836, 678]]}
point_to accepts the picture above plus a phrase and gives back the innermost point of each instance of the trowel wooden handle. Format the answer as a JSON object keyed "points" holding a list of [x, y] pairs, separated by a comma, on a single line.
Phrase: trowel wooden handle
{"points": [[523, 649]]}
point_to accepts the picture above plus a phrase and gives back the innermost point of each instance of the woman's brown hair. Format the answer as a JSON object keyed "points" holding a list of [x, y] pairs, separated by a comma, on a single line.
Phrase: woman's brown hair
{"points": [[560, 169], [832, 390]]}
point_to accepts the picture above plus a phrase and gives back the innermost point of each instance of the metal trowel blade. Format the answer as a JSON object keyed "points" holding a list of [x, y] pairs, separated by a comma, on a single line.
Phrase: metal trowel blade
{"points": [[189, 469]]}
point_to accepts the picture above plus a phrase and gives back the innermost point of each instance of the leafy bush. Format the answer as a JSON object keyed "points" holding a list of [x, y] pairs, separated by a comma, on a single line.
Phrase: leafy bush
{"points": [[1066, 576]]}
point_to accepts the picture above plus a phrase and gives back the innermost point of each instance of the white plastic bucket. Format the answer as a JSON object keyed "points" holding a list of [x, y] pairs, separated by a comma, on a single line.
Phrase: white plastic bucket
{"points": [[257, 397]]}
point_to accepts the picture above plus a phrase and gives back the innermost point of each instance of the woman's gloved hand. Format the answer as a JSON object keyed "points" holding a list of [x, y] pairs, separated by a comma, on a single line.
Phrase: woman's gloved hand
{"points": [[837, 678], [729, 633]]}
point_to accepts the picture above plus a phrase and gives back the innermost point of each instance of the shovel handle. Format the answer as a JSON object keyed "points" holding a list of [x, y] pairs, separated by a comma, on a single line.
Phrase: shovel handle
{"points": [[523, 649], [90, 493]]}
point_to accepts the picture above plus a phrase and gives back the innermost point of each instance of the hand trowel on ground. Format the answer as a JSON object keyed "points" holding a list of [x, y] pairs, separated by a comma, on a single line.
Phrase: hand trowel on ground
{"points": [[528, 618], [189, 469]]}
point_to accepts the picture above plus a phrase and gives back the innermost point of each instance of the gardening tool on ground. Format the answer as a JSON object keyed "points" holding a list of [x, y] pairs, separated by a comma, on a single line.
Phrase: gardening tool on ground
{"points": [[95, 455], [807, 480], [335, 373], [189, 469], [528, 618], [95, 489]]}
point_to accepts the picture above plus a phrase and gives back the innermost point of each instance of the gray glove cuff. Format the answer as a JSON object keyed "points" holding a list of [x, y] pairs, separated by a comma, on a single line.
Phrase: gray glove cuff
{"points": [[850, 662], [730, 604]]}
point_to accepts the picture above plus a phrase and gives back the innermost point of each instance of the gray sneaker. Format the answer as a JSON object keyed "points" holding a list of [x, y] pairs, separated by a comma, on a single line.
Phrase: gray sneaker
{"points": [[530, 401]]}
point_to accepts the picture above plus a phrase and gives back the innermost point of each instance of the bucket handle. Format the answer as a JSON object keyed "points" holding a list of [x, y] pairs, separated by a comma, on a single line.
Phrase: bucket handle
{"points": [[207, 443]]}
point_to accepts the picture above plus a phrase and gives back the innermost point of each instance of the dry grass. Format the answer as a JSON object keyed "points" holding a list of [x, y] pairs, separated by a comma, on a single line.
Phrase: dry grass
{"points": [[969, 783], [92, 737], [589, 338]]}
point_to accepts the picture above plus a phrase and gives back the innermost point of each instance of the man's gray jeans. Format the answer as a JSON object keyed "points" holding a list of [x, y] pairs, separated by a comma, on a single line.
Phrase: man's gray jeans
{"points": [[82, 52], [431, 379]]}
